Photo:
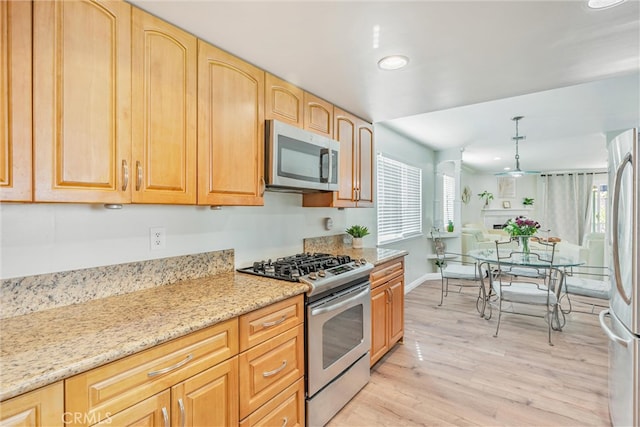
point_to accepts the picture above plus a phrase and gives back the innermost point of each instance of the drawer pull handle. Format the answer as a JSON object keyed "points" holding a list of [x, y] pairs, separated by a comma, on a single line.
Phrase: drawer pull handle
{"points": [[182, 413], [275, 322], [165, 416], [170, 368], [285, 421], [275, 371]]}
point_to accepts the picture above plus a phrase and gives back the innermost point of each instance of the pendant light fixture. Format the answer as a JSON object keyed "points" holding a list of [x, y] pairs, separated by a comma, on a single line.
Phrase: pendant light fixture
{"points": [[517, 172]]}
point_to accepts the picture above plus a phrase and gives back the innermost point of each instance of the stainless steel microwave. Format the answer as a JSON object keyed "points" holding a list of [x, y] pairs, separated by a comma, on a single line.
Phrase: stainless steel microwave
{"points": [[298, 160]]}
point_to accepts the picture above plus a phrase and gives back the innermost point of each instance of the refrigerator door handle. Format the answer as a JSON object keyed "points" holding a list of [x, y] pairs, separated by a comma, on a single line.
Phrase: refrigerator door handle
{"points": [[613, 337], [614, 221]]}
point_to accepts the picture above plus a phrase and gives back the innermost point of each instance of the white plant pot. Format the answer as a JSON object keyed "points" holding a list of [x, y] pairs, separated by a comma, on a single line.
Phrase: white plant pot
{"points": [[357, 243]]}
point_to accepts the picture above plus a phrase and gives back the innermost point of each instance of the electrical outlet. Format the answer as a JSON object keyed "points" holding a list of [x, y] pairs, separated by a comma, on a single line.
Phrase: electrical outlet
{"points": [[157, 238]]}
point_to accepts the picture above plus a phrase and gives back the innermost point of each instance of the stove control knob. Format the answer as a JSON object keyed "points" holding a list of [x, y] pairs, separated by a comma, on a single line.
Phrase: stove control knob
{"points": [[356, 263], [313, 276], [363, 261], [321, 273]]}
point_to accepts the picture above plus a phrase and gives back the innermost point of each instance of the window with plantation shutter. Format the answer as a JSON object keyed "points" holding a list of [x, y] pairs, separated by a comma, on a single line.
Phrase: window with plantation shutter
{"points": [[399, 200], [448, 195]]}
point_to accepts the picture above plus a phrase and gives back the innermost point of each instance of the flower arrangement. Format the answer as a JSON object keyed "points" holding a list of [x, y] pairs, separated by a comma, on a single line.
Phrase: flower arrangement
{"points": [[521, 226]]}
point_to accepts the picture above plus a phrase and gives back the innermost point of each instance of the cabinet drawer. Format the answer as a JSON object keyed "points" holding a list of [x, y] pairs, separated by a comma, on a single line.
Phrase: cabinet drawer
{"points": [[260, 325], [120, 384], [287, 408], [268, 368], [386, 271]]}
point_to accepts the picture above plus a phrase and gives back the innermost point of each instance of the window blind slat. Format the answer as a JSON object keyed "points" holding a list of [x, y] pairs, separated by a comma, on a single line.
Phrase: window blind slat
{"points": [[399, 200]]}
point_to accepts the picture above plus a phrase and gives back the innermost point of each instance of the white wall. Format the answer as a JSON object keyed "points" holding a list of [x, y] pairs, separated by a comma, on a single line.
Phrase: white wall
{"points": [[45, 238], [408, 151], [526, 186]]}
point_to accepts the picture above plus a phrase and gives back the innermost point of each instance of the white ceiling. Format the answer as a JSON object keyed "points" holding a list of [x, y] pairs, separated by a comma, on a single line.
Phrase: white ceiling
{"points": [[571, 71]]}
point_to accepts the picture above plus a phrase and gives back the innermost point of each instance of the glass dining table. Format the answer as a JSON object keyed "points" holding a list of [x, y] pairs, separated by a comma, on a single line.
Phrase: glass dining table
{"points": [[487, 258]]}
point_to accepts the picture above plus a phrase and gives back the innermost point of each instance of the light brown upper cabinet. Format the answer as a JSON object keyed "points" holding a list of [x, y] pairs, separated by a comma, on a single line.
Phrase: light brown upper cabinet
{"points": [[283, 101], [15, 102], [318, 115], [230, 129], [164, 92], [82, 101], [356, 165]]}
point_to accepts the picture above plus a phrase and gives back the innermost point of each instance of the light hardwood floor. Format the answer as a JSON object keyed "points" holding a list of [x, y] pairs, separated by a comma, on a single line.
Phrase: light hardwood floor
{"points": [[450, 370]]}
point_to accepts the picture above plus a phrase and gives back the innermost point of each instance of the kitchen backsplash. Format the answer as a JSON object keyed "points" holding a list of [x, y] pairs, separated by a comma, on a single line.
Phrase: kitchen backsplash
{"points": [[23, 295], [327, 244]]}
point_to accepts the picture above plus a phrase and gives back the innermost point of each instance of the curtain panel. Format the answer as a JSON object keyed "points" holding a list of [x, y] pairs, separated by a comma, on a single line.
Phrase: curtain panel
{"points": [[567, 201]]}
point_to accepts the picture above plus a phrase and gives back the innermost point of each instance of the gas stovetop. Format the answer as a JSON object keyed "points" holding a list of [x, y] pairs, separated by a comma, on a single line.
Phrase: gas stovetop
{"points": [[320, 271]]}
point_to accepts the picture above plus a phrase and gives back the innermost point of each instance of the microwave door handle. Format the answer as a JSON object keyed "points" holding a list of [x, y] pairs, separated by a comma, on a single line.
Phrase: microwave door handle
{"points": [[325, 165], [627, 160]]}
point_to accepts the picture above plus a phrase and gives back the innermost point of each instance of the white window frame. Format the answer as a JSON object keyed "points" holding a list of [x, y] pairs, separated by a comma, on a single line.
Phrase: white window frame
{"points": [[399, 200], [448, 198]]}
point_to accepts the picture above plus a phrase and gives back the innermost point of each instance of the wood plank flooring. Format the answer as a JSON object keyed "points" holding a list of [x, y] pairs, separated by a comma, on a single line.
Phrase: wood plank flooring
{"points": [[450, 370]]}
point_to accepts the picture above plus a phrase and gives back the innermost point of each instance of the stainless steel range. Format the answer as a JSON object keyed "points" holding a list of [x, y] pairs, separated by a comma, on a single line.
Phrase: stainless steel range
{"points": [[338, 326]]}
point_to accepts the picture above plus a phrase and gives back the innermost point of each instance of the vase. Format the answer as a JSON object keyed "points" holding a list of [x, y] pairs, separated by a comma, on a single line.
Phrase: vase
{"points": [[357, 243], [524, 244]]}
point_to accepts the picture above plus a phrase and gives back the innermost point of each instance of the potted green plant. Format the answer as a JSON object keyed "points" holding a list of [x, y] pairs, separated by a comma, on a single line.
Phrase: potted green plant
{"points": [[487, 196], [450, 226], [357, 232], [527, 201]]}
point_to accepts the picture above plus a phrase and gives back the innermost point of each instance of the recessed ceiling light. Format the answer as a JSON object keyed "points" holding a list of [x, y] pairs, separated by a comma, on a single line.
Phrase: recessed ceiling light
{"points": [[603, 4], [507, 168], [393, 62], [496, 158]]}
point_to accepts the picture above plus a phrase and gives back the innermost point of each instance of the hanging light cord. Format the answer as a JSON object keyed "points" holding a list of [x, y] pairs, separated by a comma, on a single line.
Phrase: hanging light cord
{"points": [[517, 138]]}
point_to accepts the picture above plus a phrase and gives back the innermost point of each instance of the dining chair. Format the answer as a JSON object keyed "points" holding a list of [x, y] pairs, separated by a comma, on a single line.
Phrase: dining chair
{"points": [[589, 282], [458, 268], [510, 287]]}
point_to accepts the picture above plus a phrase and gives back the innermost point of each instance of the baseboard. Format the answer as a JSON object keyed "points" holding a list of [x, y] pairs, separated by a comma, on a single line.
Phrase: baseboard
{"points": [[420, 280]]}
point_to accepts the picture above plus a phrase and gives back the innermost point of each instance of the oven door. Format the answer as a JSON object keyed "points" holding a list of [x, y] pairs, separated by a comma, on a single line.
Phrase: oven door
{"points": [[338, 334]]}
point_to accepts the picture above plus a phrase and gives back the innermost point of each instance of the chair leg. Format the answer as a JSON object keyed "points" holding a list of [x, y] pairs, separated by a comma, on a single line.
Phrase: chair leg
{"points": [[441, 291], [499, 317]]}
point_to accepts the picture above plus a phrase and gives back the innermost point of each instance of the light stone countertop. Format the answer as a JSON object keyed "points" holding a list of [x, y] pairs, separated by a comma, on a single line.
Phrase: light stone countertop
{"points": [[47, 346], [375, 256]]}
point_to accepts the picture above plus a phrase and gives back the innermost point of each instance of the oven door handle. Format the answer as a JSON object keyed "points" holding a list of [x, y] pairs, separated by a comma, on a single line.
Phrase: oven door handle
{"points": [[333, 307]]}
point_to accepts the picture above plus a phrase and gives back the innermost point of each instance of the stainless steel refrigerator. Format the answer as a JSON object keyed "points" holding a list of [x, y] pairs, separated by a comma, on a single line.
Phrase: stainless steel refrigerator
{"points": [[623, 329]]}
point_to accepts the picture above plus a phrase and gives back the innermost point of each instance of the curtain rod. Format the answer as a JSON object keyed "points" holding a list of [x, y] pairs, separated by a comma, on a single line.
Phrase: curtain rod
{"points": [[574, 173]]}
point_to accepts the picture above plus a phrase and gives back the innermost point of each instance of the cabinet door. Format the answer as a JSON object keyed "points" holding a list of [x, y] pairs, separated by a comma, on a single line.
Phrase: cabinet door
{"points": [[151, 412], [230, 129], [283, 101], [379, 323], [42, 407], [15, 101], [318, 115], [209, 398], [365, 173], [396, 306], [164, 111], [82, 101]]}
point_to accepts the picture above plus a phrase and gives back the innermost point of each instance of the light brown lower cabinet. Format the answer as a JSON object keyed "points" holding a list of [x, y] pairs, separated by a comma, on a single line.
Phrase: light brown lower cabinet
{"points": [[153, 411], [387, 308], [199, 379], [43, 407], [287, 408]]}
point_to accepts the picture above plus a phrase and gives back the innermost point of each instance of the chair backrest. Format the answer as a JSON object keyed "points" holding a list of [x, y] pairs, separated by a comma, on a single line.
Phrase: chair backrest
{"points": [[540, 260]]}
